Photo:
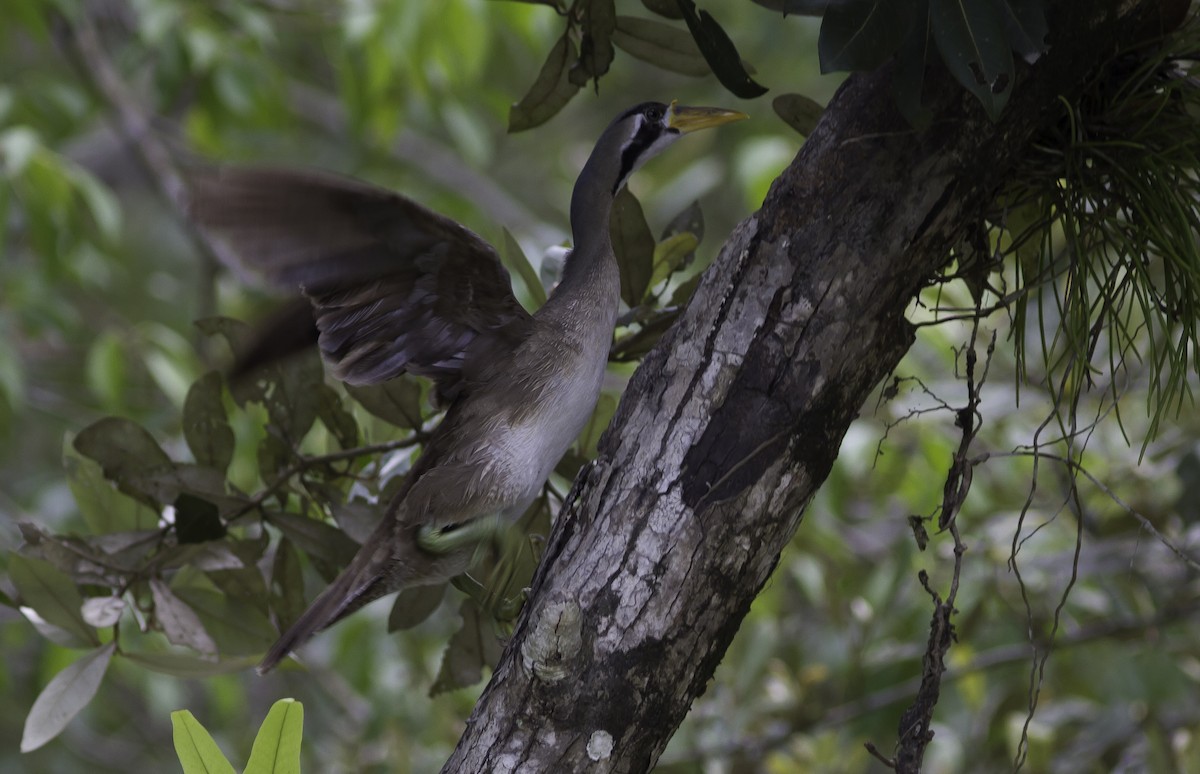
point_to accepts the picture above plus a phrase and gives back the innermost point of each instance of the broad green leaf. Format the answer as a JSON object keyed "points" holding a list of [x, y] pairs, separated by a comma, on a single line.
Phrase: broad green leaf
{"points": [[125, 450], [287, 584], [104, 508], [197, 751], [798, 111], [720, 52], [598, 20], [236, 626], [205, 423], [973, 41], [660, 44], [315, 538], [633, 244], [51, 594], [189, 666], [107, 375], [669, 255], [64, 696], [550, 92], [294, 397], [277, 747], [474, 646], [668, 9], [179, 622], [337, 420], [414, 605], [863, 34], [512, 256], [396, 401]]}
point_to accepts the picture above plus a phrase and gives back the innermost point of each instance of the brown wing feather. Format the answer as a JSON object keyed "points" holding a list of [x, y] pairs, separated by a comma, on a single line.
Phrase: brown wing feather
{"points": [[395, 287]]}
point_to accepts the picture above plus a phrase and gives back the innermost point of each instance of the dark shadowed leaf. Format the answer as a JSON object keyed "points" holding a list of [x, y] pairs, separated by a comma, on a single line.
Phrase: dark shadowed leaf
{"points": [[189, 666], [512, 256], [683, 292], [589, 437], [974, 44], [179, 622], [660, 44], [800, 112], [863, 34], [82, 560], [277, 747], [104, 508], [51, 594], [245, 583], [197, 520], [799, 7], [1025, 26], [205, 424], [633, 244], [294, 397], [287, 584], [357, 518], [198, 753], [551, 91], [719, 52], [414, 605], [669, 256], [237, 627], [690, 220], [916, 53], [315, 538], [124, 450], [638, 343], [337, 420], [474, 646], [668, 9], [397, 401], [64, 696], [599, 19]]}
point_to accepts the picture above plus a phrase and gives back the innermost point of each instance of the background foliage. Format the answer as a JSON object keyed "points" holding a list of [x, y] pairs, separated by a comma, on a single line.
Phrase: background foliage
{"points": [[102, 285]]}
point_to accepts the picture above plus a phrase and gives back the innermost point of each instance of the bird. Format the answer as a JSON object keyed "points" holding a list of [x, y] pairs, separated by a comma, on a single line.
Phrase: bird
{"points": [[395, 288]]}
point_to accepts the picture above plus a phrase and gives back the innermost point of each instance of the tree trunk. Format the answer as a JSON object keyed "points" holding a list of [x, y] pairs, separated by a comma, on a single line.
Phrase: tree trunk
{"points": [[734, 420]]}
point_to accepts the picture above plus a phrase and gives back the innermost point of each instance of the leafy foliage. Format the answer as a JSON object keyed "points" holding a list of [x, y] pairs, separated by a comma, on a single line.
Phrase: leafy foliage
{"points": [[276, 748]]}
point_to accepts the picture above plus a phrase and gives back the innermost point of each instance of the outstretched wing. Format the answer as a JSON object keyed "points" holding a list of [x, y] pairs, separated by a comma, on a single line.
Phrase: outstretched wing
{"points": [[394, 286]]}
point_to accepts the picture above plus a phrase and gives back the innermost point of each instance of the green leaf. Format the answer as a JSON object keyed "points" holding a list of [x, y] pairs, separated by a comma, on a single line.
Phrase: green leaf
{"points": [[472, 647], [294, 396], [414, 605], [598, 20], [197, 520], [104, 509], [396, 401], [179, 622], [315, 538], [719, 52], [337, 420], [798, 111], [277, 746], [197, 751], [589, 437], [973, 41], [287, 584], [669, 255], [512, 256], [205, 423], [863, 34], [125, 451], [550, 92], [107, 375], [633, 244], [188, 666], [660, 44], [637, 344], [51, 594], [101, 203], [64, 696], [236, 626]]}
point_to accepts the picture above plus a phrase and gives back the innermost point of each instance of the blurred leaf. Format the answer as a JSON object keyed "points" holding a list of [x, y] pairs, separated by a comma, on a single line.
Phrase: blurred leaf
{"points": [[633, 244], [684, 291], [414, 605], [197, 751], [1026, 28], [337, 420], [660, 44], [316, 538], [64, 696], [800, 112], [102, 611], [205, 424], [472, 647], [863, 34], [277, 747], [104, 509], [799, 7], [973, 42], [551, 91], [189, 666], [18, 145], [719, 52], [357, 518], [101, 203], [124, 450], [512, 256], [237, 627], [689, 220], [245, 583], [51, 594], [197, 520], [665, 8], [598, 20], [669, 255], [287, 584], [179, 622], [107, 375], [397, 401]]}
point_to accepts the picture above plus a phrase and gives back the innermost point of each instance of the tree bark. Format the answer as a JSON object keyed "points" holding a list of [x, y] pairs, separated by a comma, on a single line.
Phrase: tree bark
{"points": [[736, 417]]}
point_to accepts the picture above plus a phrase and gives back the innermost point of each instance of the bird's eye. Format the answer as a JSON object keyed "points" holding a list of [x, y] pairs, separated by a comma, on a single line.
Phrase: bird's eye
{"points": [[654, 113]]}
